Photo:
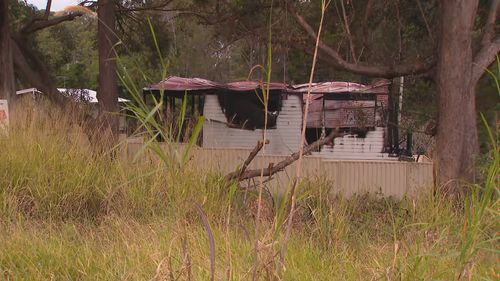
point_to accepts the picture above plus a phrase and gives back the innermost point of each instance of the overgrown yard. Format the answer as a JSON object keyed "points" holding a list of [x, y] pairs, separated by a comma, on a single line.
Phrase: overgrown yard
{"points": [[70, 214]]}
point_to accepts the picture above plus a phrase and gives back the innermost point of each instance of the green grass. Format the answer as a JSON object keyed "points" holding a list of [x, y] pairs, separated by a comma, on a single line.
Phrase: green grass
{"points": [[69, 213]]}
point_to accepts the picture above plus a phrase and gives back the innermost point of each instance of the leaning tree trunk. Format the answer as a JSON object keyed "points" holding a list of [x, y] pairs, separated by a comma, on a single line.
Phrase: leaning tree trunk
{"points": [[7, 86], [457, 139], [33, 70], [107, 94]]}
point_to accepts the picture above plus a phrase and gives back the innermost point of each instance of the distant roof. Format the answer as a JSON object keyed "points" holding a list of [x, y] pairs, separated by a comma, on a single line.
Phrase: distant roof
{"points": [[26, 91], [85, 95], [78, 94], [175, 83]]}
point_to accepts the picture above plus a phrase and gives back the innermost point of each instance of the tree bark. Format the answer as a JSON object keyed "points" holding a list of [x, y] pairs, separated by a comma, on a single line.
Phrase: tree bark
{"points": [[107, 94], [7, 87], [457, 140]]}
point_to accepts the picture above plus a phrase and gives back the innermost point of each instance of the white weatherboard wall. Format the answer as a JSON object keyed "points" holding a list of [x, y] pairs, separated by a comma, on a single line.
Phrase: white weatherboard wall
{"points": [[351, 147], [283, 140]]}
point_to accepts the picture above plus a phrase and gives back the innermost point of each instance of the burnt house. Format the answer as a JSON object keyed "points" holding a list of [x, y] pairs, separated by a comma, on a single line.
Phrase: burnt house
{"points": [[358, 110], [245, 99], [237, 115]]}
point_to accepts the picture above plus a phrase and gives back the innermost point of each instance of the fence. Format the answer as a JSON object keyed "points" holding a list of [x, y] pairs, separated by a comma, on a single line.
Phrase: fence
{"points": [[348, 177]]}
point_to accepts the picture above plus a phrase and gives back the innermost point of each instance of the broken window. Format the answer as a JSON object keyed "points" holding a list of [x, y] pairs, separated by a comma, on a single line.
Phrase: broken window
{"points": [[246, 110]]}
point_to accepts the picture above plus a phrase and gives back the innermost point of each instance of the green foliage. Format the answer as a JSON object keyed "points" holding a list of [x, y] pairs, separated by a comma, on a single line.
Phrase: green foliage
{"points": [[71, 52], [20, 13]]}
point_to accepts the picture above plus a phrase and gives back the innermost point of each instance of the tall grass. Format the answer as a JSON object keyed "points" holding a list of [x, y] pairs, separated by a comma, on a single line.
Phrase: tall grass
{"points": [[69, 212]]}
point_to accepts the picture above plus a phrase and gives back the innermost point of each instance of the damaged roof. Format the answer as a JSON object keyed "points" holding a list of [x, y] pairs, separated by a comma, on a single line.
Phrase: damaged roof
{"points": [[245, 86], [175, 83], [380, 87]]}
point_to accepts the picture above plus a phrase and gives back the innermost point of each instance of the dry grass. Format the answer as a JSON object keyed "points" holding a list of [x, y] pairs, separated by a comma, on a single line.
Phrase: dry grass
{"points": [[69, 213]]}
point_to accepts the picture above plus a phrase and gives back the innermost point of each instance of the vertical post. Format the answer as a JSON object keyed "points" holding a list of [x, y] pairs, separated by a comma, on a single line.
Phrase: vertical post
{"points": [[393, 125], [107, 94], [409, 144], [323, 120], [400, 106]]}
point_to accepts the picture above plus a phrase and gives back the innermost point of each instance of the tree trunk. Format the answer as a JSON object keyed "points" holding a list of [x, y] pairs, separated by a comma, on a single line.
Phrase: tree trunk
{"points": [[7, 87], [107, 94], [457, 139], [33, 70]]}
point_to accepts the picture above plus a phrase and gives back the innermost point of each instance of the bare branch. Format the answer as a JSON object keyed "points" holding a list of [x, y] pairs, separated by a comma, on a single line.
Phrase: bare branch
{"points": [[34, 71], [368, 12], [251, 156], [208, 19], [400, 28], [484, 58], [427, 26], [489, 29], [490, 46], [39, 25], [272, 169], [158, 7], [383, 71], [348, 31]]}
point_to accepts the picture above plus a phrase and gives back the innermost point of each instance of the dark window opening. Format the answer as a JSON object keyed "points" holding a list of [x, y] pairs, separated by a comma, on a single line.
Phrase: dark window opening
{"points": [[315, 134], [246, 110], [176, 126]]}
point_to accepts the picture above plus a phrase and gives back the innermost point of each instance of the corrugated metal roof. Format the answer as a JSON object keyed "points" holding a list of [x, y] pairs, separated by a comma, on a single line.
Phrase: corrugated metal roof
{"points": [[175, 83], [245, 86], [381, 87]]}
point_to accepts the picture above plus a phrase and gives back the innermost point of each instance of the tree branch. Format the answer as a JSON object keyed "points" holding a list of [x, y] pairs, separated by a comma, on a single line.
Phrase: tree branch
{"points": [[39, 25], [489, 29], [348, 31], [490, 46], [427, 26], [484, 58], [251, 156], [34, 70], [208, 19], [272, 169], [368, 12], [158, 7], [382, 71]]}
